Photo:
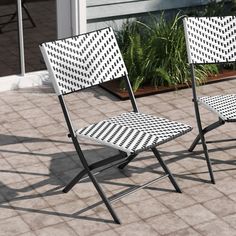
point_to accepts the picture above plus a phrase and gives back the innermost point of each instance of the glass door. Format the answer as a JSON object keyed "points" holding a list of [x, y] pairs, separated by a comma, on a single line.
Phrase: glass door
{"points": [[39, 24]]}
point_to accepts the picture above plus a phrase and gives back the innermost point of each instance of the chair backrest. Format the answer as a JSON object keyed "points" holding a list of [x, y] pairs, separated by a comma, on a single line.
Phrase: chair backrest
{"points": [[82, 61], [210, 39]]}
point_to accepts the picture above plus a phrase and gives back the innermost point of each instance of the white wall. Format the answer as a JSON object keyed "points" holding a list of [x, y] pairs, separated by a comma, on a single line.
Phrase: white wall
{"points": [[112, 8], [103, 12]]}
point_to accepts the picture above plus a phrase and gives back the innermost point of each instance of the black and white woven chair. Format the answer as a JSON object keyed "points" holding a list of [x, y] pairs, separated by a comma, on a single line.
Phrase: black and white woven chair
{"points": [[89, 59], [211, 40]]}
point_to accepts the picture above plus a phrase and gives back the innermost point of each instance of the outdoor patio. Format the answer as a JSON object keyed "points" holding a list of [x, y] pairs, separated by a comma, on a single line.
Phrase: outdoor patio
{"points": [[38, 160]]}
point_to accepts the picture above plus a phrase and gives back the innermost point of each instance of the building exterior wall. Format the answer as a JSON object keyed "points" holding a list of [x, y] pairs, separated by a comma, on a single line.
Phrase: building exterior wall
{"points": [[112, 12], [106, 9]]}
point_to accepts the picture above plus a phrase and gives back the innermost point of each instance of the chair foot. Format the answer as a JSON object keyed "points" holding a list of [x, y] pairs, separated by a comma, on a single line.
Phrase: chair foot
{"points": [[117, 221], [178, 190], [208, 160], [104, 198]]}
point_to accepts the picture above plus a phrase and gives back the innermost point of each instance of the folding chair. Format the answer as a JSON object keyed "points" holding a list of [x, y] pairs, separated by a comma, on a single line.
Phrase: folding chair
{"points": [[89, 59], [211, 40]]}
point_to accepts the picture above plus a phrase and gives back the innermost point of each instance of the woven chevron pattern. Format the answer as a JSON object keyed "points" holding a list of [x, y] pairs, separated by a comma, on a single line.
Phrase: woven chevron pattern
{"points": [[223, 105], [85, 60], [133, 132], [211, 39]]}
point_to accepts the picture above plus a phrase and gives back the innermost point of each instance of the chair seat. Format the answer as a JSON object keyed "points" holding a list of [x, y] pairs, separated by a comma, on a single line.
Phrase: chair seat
{"points": [[134, 132], [223, 105]]}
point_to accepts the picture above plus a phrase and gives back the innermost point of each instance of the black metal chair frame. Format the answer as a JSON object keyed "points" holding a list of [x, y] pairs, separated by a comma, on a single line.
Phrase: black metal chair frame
{"points": [[121, 160], [203, 50], [121, 163]]}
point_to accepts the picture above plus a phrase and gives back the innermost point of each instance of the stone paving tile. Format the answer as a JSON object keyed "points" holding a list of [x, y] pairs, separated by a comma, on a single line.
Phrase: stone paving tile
{"points": [[221, 206], [35, 171], [176, 201], [11, 149], [137, 228], [185, 232], [9, 176], [106, 233], [9, 117], [84, 190], [60, 230], [58, 197], [41, 219], [203, 193], [227, 185], [13, 226], [187, 179], [29, 136], [41, 121], [19, 125], [88, 227], [5, 109], [231, 220], [216, 227], [38, 160], [23, 198], [125, 214], [195, 214], [166, 223], [31, 113], [47, 154], [6, 211], [22, 106], [22, 160], [150, 208], [52, 129], [175, 115], [28, 234], [203, 174], [73, 210], [232, 196], [160, 107], [137, 197]]}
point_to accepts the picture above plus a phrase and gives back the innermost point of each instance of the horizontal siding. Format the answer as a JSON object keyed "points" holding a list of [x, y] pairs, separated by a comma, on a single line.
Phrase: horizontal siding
{"points": [[103, 9]]}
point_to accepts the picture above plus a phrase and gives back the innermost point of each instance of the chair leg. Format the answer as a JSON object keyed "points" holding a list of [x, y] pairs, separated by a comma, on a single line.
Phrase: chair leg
{"points": [[166, 169], [98, 188], [194, 144], [207, 157], [74, 181], [93, 179], [204, 131], [201, 137], [85, 163], [104, 198]]}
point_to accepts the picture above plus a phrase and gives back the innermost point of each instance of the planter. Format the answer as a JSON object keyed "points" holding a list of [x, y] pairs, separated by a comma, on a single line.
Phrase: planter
{"points": [[114, 86]]}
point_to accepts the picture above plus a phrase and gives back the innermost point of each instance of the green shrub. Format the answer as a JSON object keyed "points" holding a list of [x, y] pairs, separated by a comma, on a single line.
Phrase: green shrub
{"points": [[155, 53]]}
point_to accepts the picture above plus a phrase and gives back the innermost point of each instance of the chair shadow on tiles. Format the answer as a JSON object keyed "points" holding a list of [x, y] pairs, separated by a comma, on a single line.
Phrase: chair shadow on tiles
{"points": [[53, 178]]}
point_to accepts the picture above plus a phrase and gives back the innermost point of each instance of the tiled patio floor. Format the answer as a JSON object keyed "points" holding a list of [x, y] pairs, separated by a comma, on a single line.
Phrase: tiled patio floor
{"points": [[37, 160]]}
